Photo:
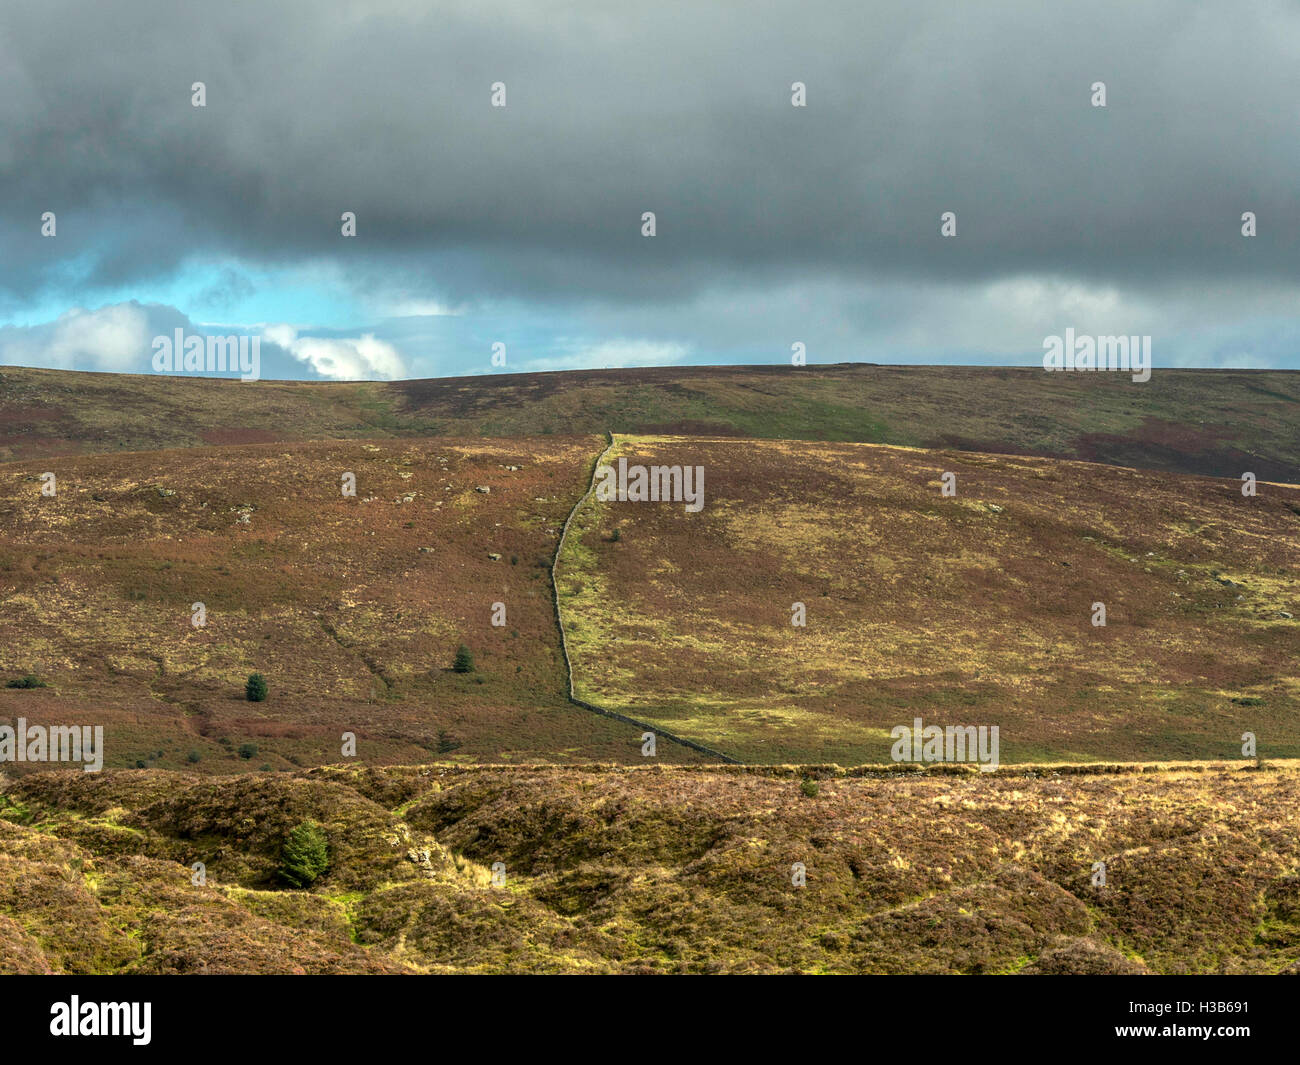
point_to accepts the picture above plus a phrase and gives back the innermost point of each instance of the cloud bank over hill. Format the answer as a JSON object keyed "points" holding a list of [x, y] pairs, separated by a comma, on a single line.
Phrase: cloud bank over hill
{"points": [[522, 224]]}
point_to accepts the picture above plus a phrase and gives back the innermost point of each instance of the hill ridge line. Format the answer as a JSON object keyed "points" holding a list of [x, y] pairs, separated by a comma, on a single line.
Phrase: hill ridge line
{"points": [[564, 639]]}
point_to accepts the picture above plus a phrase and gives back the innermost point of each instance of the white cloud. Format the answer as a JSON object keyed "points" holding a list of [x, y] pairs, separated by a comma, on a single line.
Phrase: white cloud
{"points": [[116, 337], [284, 335], [341, 358]]}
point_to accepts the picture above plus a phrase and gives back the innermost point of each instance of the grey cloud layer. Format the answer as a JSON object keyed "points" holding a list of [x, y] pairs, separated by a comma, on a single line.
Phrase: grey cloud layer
{"points": [[914, 108]]}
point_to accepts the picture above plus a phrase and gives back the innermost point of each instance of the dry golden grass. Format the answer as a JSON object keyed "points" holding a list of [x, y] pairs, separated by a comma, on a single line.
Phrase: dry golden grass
{"points": [[975, 609]]}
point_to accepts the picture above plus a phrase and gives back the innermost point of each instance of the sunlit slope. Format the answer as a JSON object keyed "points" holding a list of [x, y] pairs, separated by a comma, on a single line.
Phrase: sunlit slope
{"points": [[643, 870], [352, 608], [1212, 422], [971, 610]]}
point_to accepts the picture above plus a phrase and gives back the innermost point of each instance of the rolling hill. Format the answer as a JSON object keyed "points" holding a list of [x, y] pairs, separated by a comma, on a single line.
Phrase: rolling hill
{"points": [[974, 609], [822, 489], [353, 608], [1218, 423], [970, 610]]}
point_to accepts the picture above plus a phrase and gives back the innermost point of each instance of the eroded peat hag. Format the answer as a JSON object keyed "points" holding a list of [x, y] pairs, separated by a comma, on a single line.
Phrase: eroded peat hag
{"points": [[608, 869]]}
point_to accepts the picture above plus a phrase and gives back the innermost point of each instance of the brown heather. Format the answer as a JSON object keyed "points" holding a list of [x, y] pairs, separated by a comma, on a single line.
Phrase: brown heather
{"points": [[968, 611], [663, 869], [1214, 422]]}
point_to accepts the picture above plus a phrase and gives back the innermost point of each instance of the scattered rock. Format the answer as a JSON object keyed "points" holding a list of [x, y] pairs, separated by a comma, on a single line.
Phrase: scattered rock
{"points": [[494, 556], [421, 859], [482, 488]]}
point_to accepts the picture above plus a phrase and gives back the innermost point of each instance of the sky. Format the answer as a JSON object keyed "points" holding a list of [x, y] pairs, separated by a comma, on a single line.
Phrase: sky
{"points": [[522, 225]]}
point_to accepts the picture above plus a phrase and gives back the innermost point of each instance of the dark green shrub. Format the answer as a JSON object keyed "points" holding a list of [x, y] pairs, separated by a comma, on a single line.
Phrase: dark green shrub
{"points": [[255, 689], [464, 660], [809, 787], [247, 750], [194, 756], [30, 680], [305, 855]]}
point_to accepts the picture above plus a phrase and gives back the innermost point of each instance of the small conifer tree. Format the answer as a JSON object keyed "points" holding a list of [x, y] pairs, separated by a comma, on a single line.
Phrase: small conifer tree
{"points": [[305, 855], [464, 660]]}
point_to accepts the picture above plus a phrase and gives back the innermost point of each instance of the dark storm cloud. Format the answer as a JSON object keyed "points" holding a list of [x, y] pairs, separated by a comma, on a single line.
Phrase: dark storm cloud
{"points": [[914, 109]]}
